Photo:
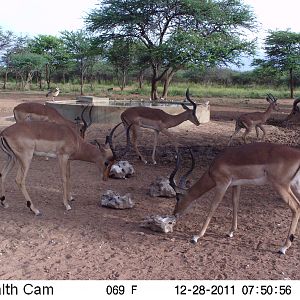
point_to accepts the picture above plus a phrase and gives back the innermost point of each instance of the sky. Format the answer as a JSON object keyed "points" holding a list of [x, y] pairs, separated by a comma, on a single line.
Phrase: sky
{"points": [[33, 17]]}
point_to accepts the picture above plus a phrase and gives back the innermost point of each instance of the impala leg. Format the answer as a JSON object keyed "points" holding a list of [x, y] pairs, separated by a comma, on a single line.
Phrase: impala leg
{"points": [[63, 163], [220, 192], [257, 132], [236, 191], [247, 131], [5, 170], [156, 133], [293, 202], [237, 130], [263, 130], [172, 139], [69, 195], [134, 142], [20, 180]]}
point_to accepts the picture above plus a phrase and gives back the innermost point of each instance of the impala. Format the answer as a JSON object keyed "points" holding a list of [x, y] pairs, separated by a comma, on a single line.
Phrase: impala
{"points": [[31, 111], [257, 164], [159, 121], [24, 139], [255, 119]]}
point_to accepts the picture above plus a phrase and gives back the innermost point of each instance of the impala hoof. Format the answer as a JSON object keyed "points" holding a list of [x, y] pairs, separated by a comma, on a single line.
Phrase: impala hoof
{"points": [[68, 207], [194, 239], [282, 251], [5, 205], [37, 213], [230, 234]]}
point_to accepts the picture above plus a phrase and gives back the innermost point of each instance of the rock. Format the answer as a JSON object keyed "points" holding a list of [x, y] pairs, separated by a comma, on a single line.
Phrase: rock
{"points": [[122, 170], [114, 200], [159, 223], [161, 188]]}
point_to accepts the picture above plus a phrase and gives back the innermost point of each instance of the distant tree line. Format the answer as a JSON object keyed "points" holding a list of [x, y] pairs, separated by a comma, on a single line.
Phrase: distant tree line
{"points": [[156, 42]]}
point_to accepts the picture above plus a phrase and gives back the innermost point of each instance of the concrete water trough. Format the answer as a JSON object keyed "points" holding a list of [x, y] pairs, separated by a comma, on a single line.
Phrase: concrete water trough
{"points": [[107, 111]]}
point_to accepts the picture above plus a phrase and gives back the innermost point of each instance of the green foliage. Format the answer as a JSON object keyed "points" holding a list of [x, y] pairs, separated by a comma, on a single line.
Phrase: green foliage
{"points": [[283, 49], [282, 55], [176, 33]]}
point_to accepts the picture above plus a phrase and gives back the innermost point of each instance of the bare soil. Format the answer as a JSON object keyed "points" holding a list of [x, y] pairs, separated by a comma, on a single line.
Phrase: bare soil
{"points": [[93, 242]]}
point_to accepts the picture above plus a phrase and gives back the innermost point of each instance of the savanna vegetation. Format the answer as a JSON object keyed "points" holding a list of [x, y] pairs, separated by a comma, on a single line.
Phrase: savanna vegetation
{"points": [[155, 49]]}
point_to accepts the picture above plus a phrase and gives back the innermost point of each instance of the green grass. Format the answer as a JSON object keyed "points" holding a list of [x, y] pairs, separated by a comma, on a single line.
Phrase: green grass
{"points": [[175, 89]]}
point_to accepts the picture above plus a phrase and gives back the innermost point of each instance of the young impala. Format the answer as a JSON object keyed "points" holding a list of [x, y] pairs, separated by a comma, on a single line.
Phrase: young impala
{"points": [[24, 139], [31, 111], [159, 121], [254, 119], [256, 164]]}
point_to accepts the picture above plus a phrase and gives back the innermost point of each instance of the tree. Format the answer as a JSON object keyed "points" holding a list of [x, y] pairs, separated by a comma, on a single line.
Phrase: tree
{"points": [[25, 64], [120, 55], [81, 47], [50, 47], [16, 45], [282, 53], [176, 33]]}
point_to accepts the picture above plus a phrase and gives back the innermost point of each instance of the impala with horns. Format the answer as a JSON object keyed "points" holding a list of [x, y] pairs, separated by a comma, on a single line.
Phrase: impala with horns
{"points": [[255, 119], [31, 111], [251, 164], [24, 139], [159, 121]]}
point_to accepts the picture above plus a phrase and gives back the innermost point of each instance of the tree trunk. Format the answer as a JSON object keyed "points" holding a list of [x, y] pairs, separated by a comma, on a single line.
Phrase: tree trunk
{"points": [[141, 78], [291, 83], [154, 83], [5, 79], [47, 76], [81, 77], [167, 81], [154, 92], [123, 80]]}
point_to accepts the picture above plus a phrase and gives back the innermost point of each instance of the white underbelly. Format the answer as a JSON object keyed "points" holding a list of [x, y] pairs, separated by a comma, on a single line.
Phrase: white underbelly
{"points": [[253, 181], [47, 154]]}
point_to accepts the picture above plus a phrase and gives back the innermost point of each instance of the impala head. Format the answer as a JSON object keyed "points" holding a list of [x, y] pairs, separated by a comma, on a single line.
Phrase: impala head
{"points": [[273, 101], [192, 112], [184, 184], [107, 157]]}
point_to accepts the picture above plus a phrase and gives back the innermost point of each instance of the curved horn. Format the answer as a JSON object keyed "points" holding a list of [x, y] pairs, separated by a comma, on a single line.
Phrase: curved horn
{"points": [[187, 94], [109, 139], [183, 179], [271, 98], [85, 123], [110, 142], [172, 175]]}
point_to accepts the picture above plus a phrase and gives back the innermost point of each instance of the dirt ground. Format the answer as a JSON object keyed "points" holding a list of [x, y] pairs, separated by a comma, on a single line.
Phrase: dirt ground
{"points": [[93, 242]]}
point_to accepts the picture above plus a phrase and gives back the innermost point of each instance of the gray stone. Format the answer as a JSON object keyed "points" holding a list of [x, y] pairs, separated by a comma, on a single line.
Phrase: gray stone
{"points": [[114, 200], [161, 188], [158, 223], [122, 169]]}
